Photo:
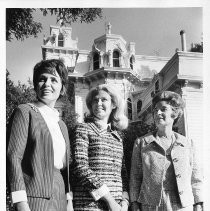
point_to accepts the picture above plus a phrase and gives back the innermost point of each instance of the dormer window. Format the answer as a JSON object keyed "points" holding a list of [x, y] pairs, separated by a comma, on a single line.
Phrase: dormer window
{"points": [[116, 59], [96, 61], [60, 40]]}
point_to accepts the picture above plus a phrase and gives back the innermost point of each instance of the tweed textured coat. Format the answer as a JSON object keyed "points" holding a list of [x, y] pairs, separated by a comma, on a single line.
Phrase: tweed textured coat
{"points": [[147, 171], [98, 160], [30, 158]]}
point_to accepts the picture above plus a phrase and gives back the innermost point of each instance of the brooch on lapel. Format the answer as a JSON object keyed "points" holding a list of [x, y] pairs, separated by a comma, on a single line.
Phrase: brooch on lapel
{"points": [[33, 107]]}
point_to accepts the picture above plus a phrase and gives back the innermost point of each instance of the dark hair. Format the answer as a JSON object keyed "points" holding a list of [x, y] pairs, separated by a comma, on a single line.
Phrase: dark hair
{"points": [[50, 66], [173, 99]]}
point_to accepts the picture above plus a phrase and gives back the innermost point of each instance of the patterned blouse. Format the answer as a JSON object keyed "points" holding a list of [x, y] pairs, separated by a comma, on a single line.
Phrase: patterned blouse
{"points": [[98, 161]]}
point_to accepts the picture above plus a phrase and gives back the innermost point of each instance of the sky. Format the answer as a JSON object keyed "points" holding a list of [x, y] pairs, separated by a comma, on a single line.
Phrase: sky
{"points": [[154, 30]]}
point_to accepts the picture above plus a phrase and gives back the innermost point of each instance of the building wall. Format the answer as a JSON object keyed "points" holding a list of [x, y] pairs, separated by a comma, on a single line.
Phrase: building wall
{"points": [[80, 105], [191, 64], [83, 63], [147, 66], [193, 96]]}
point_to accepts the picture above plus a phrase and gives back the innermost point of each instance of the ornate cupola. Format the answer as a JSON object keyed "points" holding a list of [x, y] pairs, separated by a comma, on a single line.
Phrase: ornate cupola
{"points": [[60, 45], [111, 51], [112, 56]]}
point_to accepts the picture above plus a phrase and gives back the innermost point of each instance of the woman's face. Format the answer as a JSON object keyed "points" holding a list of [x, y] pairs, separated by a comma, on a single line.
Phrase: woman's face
{"points": [[102, 105], [163, 114], [49, 88]]}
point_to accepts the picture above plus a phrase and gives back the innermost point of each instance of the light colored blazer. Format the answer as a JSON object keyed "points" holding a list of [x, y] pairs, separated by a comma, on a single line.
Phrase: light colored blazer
{"points": [[147, 170], [30, 159]]}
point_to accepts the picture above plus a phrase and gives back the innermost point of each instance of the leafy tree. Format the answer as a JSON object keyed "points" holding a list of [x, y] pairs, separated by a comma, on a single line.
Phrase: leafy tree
{"points": [[197, 47], [16, 95], [69, 115], [20, 22]]}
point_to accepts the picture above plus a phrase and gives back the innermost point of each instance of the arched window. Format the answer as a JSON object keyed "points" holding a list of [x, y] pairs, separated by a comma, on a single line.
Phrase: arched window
{"points": [[129, 106], [60, 40], [116, 59], [96, 61], [131, 62], [139, 105]]}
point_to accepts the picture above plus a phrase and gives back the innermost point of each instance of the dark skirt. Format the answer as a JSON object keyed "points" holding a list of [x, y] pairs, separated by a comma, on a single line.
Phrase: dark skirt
{"points": [[58, 200]]}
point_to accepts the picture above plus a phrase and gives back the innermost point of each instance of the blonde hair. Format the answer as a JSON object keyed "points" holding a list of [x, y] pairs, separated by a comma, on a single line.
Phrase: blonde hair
{"points": [[117, 117]]}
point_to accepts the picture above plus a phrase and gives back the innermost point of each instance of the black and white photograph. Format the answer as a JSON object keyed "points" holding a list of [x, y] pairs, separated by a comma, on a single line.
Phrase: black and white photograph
{"points": [[105, 106]]}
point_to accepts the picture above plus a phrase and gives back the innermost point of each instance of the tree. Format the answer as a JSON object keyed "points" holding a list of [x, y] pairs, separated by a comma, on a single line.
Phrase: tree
{"points": [[16, 95], [20, 22], [197, 47]]}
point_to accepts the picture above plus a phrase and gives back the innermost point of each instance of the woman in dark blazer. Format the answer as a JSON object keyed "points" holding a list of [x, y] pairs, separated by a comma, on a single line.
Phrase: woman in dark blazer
{"points": [[165, 172], [38, 147], [101, 182]]}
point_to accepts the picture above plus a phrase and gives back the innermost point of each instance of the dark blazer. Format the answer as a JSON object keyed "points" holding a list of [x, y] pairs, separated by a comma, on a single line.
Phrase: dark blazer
{"points": [[147, 170], [30, 158]]}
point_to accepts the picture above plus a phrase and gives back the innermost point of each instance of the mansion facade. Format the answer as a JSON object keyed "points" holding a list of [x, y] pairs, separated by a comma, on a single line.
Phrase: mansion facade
{"points": [[113, 60]]}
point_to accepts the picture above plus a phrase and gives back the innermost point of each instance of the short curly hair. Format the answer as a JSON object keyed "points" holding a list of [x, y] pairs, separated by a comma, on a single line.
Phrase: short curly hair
{"points": [[50, 66], [173, 99]]}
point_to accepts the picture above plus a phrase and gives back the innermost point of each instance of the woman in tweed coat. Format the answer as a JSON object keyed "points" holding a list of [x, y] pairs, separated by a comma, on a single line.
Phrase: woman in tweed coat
{"points": [[98, 159], [165, 173], [38, 146]]}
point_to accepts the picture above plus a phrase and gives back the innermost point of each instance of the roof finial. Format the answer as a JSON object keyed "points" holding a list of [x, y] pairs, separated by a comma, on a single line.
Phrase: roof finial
{"points": [[109, 26]]}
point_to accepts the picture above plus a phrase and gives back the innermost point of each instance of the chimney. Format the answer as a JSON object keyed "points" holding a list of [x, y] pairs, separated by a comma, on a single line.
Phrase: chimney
{"points": [[183, 40], [132, 47]]}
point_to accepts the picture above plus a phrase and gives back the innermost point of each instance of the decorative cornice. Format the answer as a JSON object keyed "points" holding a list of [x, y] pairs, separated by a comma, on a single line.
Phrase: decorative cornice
{"points": [[190, 78], [152, 58], [60, 48], [175, 58], [110, 36]]}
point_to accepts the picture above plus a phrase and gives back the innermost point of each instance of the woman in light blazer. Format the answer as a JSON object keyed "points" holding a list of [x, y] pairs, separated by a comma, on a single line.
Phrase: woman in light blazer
{"points": [[165, 172], [38, 146]]}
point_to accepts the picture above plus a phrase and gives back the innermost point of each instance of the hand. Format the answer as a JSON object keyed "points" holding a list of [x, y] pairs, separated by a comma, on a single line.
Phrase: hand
{"points": [[112, 204], [70, 205], [22, 206], [135, 206], [124, 205]]}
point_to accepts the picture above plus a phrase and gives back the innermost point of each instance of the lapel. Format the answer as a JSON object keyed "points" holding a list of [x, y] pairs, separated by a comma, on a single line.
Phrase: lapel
{"points": [[66, 138], [180, 140], [45, 128], [149, 138], [96, 128]]}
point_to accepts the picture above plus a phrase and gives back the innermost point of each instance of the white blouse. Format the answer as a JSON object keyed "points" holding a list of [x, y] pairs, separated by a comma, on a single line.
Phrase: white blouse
{"points": [[51, 117]]}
